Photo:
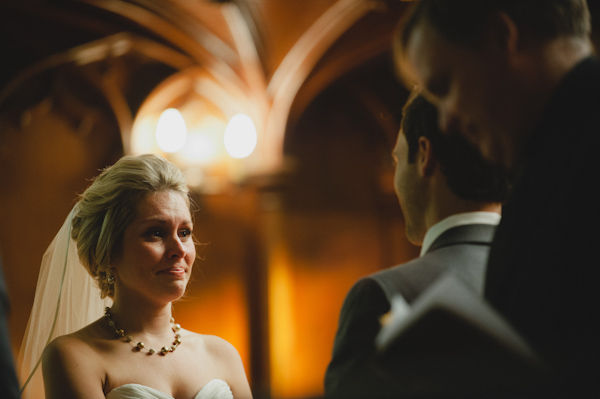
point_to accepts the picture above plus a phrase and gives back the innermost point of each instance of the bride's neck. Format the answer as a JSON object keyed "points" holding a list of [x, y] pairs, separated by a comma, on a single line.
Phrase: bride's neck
{"points": [[141, 317]]}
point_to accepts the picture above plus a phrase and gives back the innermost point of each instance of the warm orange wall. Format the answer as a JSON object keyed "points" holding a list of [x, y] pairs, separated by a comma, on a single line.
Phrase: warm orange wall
{"points": [[45, 162], [314, 258]]}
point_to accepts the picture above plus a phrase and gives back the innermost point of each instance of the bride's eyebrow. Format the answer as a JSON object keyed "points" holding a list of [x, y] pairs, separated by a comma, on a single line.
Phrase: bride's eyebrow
{"points": [[153, 220], [164, 221]]}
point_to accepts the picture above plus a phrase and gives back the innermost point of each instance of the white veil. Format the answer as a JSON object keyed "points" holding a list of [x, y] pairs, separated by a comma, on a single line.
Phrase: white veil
{"points": [[66, 299]]}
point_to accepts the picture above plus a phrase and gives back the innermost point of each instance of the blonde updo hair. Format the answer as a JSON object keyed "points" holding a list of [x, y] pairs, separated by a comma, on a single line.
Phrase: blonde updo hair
{"points": [[109, 204]]}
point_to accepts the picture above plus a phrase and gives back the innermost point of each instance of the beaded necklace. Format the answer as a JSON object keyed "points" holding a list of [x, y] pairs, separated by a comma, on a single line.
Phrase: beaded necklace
{"points": [[140, 345]]}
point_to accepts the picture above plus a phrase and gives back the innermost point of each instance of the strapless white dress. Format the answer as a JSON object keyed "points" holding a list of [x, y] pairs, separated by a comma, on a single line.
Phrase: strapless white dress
{"points": [[214, 389]]}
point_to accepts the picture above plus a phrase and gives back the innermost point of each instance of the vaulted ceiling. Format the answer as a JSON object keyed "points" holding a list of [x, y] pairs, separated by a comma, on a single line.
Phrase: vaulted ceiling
{"points": [[271, 57]]}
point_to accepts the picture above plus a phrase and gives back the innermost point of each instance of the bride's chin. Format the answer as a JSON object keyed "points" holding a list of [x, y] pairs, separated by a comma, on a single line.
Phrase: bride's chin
{"points": [[179, 288], [170, 292]]}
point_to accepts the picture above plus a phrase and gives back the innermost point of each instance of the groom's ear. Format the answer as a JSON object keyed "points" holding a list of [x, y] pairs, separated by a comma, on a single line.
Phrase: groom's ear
{"points": [[425, 159]]}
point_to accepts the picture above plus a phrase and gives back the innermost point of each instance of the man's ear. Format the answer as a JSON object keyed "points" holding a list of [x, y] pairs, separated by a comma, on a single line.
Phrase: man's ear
{"points": [[503, 34], [425, 160]]}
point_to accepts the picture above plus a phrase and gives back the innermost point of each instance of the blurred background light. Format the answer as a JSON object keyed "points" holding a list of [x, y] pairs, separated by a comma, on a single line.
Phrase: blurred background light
{"points": [[201, 148], [204, 142], [240, 136], [171, 132], [143, 136]]}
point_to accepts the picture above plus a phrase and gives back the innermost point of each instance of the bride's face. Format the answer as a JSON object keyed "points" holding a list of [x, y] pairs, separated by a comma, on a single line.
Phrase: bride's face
{"points": [[157, 252]]}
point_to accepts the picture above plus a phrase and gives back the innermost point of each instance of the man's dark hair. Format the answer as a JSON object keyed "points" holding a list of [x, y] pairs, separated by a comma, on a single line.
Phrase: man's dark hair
{"points": [[464, 21], [468, 175]]}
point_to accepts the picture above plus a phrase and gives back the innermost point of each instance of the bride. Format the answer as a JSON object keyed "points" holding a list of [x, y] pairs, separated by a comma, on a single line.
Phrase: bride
{"points": [[133, 233]]}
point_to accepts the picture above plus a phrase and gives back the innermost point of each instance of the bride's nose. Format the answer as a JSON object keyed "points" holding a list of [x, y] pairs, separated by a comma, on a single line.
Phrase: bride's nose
{"points": [[175, 247]]}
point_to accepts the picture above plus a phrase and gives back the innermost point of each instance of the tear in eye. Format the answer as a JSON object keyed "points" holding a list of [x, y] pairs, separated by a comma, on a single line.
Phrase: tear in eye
{"points": [[154, 233]]}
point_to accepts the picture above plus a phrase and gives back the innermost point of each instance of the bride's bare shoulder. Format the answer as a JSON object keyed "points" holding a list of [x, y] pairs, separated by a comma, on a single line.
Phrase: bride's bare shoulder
{"points": [[71, 366], [225, 362], [80, 344], [64, 349], [207, 341], [212, 346]]}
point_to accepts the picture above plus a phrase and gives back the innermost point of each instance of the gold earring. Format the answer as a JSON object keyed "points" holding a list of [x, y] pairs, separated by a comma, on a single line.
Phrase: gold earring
{"points": [[110, 278]]}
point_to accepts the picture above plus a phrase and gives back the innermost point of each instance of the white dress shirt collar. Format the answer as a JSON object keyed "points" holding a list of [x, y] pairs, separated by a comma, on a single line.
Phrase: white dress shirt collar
{"points": [[458, 219]]}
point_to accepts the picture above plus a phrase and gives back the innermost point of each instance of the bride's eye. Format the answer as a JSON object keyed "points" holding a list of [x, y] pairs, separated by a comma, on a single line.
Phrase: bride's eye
{"points": [[154, 233], [185, 233]]}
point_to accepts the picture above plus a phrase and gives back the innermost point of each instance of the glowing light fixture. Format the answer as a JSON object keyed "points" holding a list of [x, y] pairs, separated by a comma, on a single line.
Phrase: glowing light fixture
{"points": [[240, 136], [201, 148], [171, 131]]}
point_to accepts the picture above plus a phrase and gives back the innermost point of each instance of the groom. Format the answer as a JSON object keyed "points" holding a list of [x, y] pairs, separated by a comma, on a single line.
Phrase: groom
{"points": [[451, 201]]}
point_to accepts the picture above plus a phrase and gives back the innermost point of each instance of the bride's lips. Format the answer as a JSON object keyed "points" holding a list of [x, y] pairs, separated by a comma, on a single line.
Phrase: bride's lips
{"points": [[176, 271]]}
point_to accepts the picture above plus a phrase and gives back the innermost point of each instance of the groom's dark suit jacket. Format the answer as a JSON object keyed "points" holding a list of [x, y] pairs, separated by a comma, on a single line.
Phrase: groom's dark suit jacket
{"points": [[463, 250]]}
